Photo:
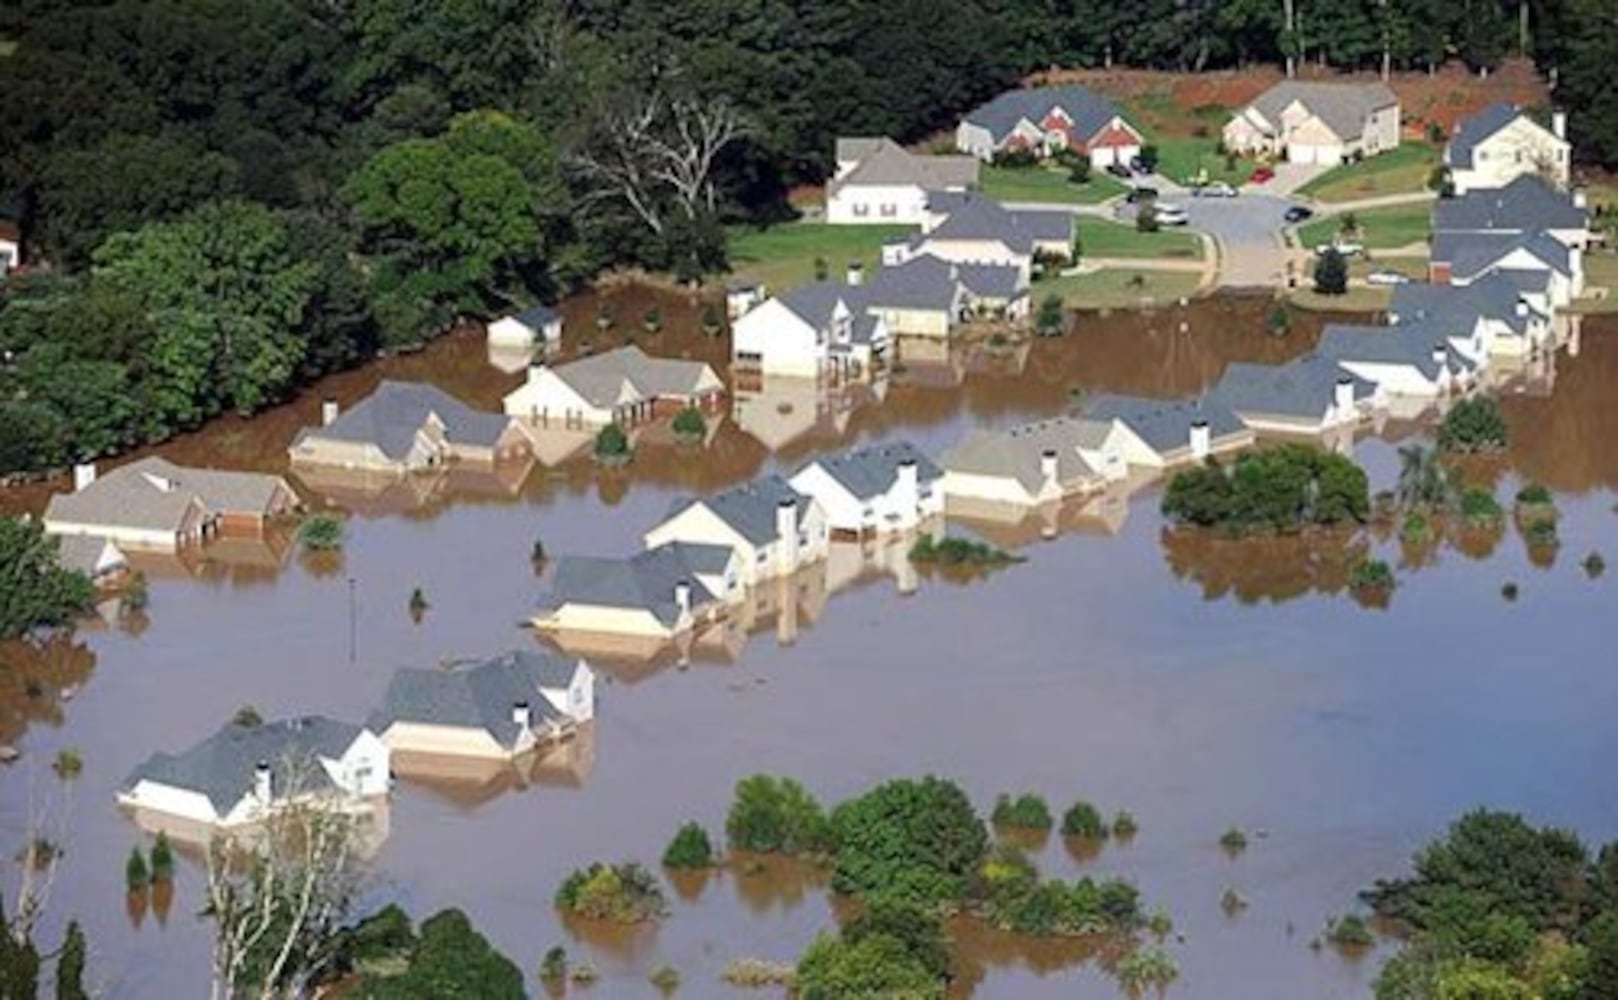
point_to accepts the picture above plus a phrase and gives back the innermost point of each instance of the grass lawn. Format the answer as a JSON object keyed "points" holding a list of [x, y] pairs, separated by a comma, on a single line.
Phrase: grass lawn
{"points": [[1101, 238], [1399, 171], [1380, 228], [1414, 268], [1116, 288], [1600, 271], [1048, 185], [1360, 298], [1184, 158], [783, 256]]}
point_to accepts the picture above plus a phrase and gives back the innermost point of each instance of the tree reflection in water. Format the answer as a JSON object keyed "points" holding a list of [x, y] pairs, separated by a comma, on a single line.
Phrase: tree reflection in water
{"points": [[36, 676]]}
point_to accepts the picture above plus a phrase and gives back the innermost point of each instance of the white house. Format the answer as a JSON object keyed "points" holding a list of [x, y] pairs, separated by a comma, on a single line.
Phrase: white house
{"points": [[1504, 314], [1037, 463], [817, 328], [10, 246], [661, 593], [1485, 220], [1048, 120], [1463, 258], [243, 774], [774, 529], [1317, 122], [502, 707], [1309, 396], [1157, 433], [880, 489], [621, 386], [535, 325], [1502, 143], [972, 229], [877, 181], [1415, 359]]}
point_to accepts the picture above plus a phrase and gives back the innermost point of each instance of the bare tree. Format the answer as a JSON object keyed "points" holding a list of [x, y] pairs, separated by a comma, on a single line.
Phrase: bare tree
{"points": [[279, 893], [38, 861]]}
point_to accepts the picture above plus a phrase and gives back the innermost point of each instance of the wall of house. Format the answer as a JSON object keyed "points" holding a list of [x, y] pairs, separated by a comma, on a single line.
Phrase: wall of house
{"points": [[917, 322], [980, 252], [884, 205], [169, 800], [974, 139], [510, 332], [547, 398], [1522, 148], [343, 455], [1248, 133], [1395, 379], [606, 619], [994, 489], [776, 340], [578, 700], [1134, 448], [363, 770], [448, 741], [1381, 131]]}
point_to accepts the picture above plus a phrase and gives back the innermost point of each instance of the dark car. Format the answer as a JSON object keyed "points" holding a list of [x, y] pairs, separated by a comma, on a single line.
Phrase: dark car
{"points": [[1140, 194], [1140, 166], [1297, 213], [1118, 170]]}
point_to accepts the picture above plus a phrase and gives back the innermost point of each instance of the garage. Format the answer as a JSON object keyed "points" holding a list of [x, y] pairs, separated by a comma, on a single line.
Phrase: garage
{"points": [[1326, 153]]}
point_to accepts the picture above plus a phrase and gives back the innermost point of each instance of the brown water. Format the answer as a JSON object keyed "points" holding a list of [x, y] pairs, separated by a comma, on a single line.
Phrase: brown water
{"points": [[1197, 683]]}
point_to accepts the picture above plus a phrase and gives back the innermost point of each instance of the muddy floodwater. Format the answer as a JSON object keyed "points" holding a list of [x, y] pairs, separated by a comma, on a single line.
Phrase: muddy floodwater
{"points": [[1199, 684]]}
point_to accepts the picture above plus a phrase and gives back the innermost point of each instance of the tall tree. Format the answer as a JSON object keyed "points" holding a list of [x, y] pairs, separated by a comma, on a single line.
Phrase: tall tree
{"points": [[35, 591]]}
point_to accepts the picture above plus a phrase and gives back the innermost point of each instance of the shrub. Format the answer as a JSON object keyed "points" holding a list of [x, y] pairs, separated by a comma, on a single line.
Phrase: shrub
{"points": [[666, 979], [914, 840], [1233, 840], [321, 533], [1083, 819], [1146, 968], [1370, 575], [1124, 825], [822, 269], [1416, 530], [756, 973], [652, 319], [1079, 171], [1534, 495], [1051, 319], [612, 444], [958, 552], [874, 966], [1540, 533], [1025, 812], [1473, 425], [553, 967], [1232, 902], [1594, 565], [712, 320], [1331, 273], [1160, 924], [247, 717], [1148, 156], [1279, 319], [690, 848], [1480, 509], [1016, 158], [162, 859], [1350, 932], [1146, 219], [136, 874], [623, 894], [68, 764], [776, 816], [1277, 489], [1509, 591], [690, 424]]}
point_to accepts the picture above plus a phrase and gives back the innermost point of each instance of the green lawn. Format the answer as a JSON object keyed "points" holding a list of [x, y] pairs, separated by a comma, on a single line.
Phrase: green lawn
{"points": [[783, 256], [1117, 288], [1048, 185], [1380, 228], [1101, 238], [1400, 171], [1185, 158]]}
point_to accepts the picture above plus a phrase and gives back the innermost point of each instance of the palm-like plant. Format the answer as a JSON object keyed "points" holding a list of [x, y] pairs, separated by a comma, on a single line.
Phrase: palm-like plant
{"points": [[1423, 482]]}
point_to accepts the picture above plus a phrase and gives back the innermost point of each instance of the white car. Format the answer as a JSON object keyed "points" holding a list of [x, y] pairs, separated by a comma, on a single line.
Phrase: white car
{"points": [[1345, 248], [1218, 189], [1386, 277], [1171, 215]]}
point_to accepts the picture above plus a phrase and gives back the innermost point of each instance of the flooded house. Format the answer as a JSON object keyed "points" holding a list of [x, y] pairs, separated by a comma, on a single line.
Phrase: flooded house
{"points": [[822, 328], [406, 427], [621, 386], [1032, 464], [96, 556], [154, 504], [244, 774], [774, 529], [972, 229], [658, 594], [1507, 314], [501, 708], [1159, 433], [1414, 359], [879, 489], [535, 326], [1310, 397]]}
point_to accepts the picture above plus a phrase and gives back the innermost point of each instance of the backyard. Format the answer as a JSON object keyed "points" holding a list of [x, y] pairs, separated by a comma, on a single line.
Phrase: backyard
{"points": [[1187, 139], [1404, 170], [783, 257], [1048, 184], [1115, 288], [1101, 238], [1390, 228]]}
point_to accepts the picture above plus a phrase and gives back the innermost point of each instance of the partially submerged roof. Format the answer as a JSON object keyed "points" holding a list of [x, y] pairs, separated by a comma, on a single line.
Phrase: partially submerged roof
{"points": [[154, 493], [1165, 424], [642, 582], [1019, 452], [1471, 132], [390, 417], [871, 471], [1412, 344], [1341, 107], [223, 766], [1496, 296], [1087, 110], [84, 553], [1305, 387], [883, 162], [750, 508], [480, 696], [628, 373], [1525, 204]]}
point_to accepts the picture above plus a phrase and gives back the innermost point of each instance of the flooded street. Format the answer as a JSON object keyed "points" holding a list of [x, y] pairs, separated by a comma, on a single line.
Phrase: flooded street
{"points": [[1199, 684]]}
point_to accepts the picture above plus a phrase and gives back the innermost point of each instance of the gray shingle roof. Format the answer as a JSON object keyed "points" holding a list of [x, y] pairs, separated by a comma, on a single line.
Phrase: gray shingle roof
{"points": [[817, 301], [644, 581], [1165, 424], [81, 553], [1018, 452], [1527, 203], [977, 218], [1089, 111], [750, 508], [223, 766], [1471, 254], [1305, 387], [1469, 132], [390, 417], [921, 283], [1460, 306], [154, 493], [1342, 107], [609, 378], [538, 317], [992, 281], [885, 162], [871, 471], [480, 696], [1410, 343]]}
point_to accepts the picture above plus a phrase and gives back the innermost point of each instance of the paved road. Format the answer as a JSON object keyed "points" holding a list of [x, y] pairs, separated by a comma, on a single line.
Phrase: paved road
{"points": [[1246, 228]]}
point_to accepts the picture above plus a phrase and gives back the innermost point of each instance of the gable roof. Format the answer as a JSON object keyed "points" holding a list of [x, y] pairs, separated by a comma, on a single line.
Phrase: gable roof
{"points": [[390, 417], [974, 217], [871, 471], [644, 581], [923, 282], [1459, 307], [537, 317], [1089, 111], [610, 378], [154, 493], [83, 553], [1472, 132], [222, 767], [1472, 254], [749, 509], [1527, 203], [816, 302], [1018, 452], [1305, 387], [1341, 107], [1165, 424], [479, 696], [886, 163], [1411, 343]]}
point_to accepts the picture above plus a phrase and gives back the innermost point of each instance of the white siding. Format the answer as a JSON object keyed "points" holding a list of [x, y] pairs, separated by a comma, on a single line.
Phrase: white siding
{"points": [[778, 341], [876, 205], [546, 397]]}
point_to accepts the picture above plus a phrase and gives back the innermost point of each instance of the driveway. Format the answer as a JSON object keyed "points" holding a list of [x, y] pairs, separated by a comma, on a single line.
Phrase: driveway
{"points": [[1246, 228]]}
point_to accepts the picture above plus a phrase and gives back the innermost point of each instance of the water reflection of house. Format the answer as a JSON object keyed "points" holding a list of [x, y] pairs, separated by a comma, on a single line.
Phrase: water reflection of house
{"points": [[376, 493], [621, 386], [928, 362], [882, 488], [239, 560], [469, 782], [406, 427], [154, 504], [1015, 526], [854, 564], [658, 595], [779, 410]]}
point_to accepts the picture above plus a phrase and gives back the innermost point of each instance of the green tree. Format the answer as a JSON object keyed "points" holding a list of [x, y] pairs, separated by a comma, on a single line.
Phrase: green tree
{"points": [[35, 591], [612, 444], [1473, 425], [1025, 812], [1331, 273], [690, 848], [70, 965], [1601, 948], [1083, 819], [450, 959], [690, 424], [624, 894], [321, 532], [876, 965], [1051, 318], [775, 815], [918, 840]]}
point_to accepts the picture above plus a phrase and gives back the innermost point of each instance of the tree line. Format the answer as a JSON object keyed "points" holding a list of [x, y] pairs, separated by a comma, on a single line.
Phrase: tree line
{"points": [[236, 196]]}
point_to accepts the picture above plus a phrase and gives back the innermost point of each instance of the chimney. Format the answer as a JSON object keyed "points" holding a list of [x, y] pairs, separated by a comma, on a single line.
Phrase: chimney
{"points": [[328, 412], [261, 783], [1440, 356], [1201, 439], [1343, 399], [856, 273], [521, 717], [1559, 124], [682, 598], [1522, 309], [909, 487], [1047, 465], [83, 475], [786, 531]]}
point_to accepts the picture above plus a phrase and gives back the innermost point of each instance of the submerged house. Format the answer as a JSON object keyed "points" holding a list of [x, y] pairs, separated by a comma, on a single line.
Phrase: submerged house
{"points": [[1032, 464], [660, 593], [406, 427], [879, 489], [152, 503], [774, 529], [535, 325], [95, 556], [501, 708], [1309, 396], [244, 774], [1505, 314], [621, 386], [1157, 433], [1418, 358], [878, 181], [1049, 120], [818, 328]]}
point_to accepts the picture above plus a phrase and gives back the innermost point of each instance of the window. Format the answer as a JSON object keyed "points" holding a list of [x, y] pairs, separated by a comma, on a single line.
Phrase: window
{"points": [[861, 209], [889, 210], [763, 556]]}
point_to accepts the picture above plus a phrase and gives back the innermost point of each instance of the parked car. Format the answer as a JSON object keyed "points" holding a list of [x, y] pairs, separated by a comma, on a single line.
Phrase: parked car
{"points": [[1263, 175], [1140, 193], [1118, 170], [1217, 189], [1171, 215], [1297, 213], [1344, 247], [1141, 167], [1385, 277]]}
